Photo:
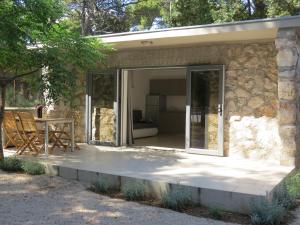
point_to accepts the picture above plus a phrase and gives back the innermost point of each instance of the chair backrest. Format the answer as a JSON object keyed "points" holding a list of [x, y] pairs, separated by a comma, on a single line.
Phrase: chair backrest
{"points": [[27, 121], [9, 123]]}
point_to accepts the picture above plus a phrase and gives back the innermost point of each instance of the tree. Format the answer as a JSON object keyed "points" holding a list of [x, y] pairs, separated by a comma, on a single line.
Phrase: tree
{"points": [[100, 16], [33, 38], [192, 12]]}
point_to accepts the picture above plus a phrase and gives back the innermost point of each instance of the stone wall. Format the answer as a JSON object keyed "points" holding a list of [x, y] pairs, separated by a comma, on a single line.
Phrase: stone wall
{"points": [[251, 96], [288, 60]]}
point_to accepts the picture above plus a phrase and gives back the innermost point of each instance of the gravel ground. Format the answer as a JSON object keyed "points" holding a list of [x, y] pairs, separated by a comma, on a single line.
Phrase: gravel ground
{"points": [[44, 200], [296, 219]]}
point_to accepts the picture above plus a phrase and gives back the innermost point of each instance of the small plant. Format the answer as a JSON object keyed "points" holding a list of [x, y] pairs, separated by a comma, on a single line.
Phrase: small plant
{"points": [[11, 164], [133, 191], [293, 184], [266, 213], [100, 186], [177, 200], [216, 212], [33, 168], [282, 197]]}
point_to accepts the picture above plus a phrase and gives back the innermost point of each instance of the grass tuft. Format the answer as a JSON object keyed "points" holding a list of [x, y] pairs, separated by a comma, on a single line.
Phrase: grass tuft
{"points": [[33, 168], [177, 199], [11, 164], [216, 212], [101, 186], [133, 191]]}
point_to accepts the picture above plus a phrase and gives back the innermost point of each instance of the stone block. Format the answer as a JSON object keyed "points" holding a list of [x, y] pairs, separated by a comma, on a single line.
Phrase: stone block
{"points": [[289, 33], [87, 176], [287, 132], [231, 201], [287, 57], [68, 173], [287, 113], [256, 102], [284, 73], [286, 89], [285, 42]]}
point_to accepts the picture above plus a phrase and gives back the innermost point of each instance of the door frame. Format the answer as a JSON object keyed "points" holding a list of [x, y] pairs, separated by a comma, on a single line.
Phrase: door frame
{"points": [[220, 150], [122, 85], [88, 106]]}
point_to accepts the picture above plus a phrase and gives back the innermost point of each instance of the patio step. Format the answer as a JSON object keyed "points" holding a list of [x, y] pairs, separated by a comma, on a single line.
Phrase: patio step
{"points": [[233, 201]]}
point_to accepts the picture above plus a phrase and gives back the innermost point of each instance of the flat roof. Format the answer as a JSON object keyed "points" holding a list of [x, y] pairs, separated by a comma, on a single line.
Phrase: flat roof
{"points": [[261, 29]]}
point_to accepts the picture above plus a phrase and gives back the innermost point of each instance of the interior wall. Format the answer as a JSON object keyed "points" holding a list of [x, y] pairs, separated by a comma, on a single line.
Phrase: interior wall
{"points": [[140, 87]]}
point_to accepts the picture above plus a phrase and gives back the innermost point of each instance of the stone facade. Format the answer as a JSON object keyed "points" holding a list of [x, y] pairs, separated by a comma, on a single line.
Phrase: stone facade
{"points": [[251, 95], [251, 127], [288, 61]]}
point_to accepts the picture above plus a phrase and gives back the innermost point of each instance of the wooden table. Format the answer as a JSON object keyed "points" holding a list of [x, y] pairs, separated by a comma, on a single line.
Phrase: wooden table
{"points": [[48, 121]]}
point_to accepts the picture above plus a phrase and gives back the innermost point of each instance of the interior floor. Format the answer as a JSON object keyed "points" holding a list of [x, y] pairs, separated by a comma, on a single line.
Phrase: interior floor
{"points": [[162, 141], [158, 101]]}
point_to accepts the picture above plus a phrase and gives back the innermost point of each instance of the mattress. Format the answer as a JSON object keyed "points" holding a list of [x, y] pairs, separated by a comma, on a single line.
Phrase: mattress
{"points": [[144, 129], [145, 132]]}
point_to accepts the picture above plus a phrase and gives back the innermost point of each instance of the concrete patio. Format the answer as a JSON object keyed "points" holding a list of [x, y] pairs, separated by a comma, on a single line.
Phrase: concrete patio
{"points": [[223, 181]]}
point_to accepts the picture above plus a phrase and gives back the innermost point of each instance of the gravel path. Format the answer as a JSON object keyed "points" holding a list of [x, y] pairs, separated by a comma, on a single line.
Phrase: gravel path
{"points": [[296, 219], [44, 200]]}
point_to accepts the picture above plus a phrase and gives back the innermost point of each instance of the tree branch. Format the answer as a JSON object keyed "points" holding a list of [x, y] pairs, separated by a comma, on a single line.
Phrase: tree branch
{"points": [[23, 74]]}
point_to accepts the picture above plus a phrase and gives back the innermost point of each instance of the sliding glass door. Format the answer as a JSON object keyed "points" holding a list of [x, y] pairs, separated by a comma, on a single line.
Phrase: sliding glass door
{"points": [[204, 110], [103, 108]]}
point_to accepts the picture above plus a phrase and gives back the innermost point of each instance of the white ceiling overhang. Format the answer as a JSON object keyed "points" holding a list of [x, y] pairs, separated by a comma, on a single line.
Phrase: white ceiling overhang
{"points": [[264, 29]]}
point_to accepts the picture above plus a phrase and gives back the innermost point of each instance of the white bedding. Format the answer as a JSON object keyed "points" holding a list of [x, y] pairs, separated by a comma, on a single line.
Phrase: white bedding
{"points": [[145, 132]]}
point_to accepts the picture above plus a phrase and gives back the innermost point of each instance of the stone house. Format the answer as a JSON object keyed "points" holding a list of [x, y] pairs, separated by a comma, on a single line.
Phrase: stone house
{"points": [[224, 89]]}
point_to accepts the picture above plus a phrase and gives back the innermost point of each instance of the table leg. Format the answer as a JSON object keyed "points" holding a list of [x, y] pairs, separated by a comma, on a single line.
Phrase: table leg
{"points": [[46, 138], [72, 136]]}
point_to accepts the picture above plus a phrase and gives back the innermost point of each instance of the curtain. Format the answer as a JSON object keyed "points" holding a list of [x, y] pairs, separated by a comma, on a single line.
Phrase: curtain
{"points": [[130, 140]]}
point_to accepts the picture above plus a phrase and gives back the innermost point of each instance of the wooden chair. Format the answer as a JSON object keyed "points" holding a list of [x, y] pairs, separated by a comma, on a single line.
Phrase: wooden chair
{"points": [[12, 132], [32, 136], [62, 132]]}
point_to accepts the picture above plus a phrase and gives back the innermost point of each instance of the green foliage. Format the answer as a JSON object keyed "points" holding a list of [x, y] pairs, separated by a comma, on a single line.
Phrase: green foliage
{"points": [[11, 164], [177, 200], [16, 99], [101, 186], [266, 213], [33, 168], [133, 191], [283, 198], [282, 7], [33, 36], [216, 212], [293, 184]]}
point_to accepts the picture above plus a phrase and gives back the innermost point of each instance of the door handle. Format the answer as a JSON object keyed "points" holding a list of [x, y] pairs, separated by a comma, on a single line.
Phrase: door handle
{"points": [[220, 109]]}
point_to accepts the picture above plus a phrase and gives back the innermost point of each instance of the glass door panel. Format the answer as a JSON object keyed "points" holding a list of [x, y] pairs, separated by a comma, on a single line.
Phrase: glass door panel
{"points": [[204, 110], [104, 106]]}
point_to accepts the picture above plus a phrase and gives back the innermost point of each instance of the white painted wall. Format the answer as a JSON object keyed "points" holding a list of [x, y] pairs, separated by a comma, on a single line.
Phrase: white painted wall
{"points": [[140, 87]]}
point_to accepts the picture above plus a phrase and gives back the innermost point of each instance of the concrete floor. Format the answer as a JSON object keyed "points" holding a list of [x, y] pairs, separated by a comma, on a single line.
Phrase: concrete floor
{"points": [[211, 172], [162, 141]]}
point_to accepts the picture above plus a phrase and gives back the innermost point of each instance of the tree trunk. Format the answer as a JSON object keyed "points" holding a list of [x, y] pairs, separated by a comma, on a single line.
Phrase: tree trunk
{"points": [[2, 107]]}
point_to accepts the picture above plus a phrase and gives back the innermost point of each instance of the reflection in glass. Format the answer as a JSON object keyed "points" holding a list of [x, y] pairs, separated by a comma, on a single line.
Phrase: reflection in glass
{"points": [[104, 95], [204, 109]]}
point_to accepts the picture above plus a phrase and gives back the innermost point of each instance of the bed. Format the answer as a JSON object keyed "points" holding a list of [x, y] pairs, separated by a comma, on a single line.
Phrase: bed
{"points": [[142, 129]]}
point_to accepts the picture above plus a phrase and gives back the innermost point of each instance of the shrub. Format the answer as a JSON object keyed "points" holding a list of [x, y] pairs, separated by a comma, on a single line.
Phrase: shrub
{"points": [[133, 191], [177, 200], [266, 213], [216, 212], [282, 197], [11, 164], [101, 186], [293, 184], [33, 168]]}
